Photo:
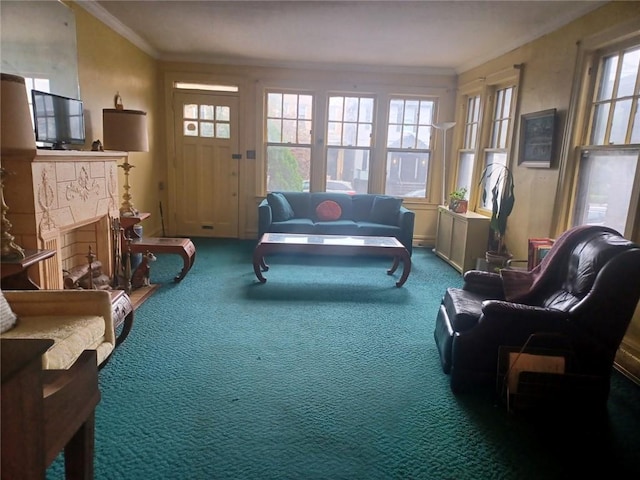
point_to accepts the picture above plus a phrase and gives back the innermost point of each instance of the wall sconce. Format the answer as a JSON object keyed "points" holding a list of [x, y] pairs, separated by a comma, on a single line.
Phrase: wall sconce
{"points": [[16, 140], [444, 126], [125, 130]]}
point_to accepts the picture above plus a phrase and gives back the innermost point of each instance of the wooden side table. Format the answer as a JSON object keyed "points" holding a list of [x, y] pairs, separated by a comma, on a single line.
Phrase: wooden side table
{"points": [[15, 273], [173, 245], [178, 246]]}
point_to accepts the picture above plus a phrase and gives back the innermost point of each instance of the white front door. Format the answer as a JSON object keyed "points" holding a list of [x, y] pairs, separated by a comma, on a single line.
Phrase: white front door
{"points": [[206, 172]]}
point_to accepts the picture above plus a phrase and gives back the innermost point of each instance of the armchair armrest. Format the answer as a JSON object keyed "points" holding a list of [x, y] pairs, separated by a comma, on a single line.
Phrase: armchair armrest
{"points": [[63, 302], [527, 315], [487, 283]]}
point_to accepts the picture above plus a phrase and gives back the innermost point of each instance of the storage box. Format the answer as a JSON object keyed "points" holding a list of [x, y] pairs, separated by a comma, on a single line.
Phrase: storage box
{"points": [[545, 379]]}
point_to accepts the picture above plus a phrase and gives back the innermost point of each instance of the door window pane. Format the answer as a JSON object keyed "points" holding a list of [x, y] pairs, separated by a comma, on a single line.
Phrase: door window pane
{"points": [[202, 120]]}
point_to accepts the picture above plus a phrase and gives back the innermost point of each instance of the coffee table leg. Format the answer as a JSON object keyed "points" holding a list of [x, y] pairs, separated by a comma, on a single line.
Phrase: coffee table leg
{"points": [[259, 265], [406, 269], [394, 267]]}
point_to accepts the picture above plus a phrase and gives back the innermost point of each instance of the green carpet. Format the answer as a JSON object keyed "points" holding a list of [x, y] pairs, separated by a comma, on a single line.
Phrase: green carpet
{"points": [[327, 371]]}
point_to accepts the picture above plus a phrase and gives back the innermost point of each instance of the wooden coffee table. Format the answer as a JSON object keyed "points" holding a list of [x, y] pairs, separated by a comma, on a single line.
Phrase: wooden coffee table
{"points": [[271, 243]]}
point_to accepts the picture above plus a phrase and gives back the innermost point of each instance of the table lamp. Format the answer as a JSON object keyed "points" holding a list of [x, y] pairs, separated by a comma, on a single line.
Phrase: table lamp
{"points": [[125, 130], [16, 140]]}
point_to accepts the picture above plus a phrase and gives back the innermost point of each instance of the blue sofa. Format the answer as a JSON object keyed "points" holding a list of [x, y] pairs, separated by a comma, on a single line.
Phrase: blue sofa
{"points": [[328, 213]]}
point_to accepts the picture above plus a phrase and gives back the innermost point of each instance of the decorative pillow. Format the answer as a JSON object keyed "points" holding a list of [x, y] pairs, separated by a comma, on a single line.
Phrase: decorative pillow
{"points": [[328, 210], [385, 210], [7, 317], [280, 207]]}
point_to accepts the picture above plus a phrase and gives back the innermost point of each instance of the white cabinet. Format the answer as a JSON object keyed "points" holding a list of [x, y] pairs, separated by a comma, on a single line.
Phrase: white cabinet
{"points": [[461, 238]]}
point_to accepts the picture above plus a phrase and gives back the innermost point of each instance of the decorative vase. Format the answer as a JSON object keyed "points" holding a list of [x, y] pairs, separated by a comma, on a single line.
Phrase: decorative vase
{"points": [[458, 206]]}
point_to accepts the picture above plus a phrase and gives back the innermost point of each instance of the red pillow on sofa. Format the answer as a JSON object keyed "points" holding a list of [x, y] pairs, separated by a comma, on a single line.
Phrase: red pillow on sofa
{"points": [[328, 210]]}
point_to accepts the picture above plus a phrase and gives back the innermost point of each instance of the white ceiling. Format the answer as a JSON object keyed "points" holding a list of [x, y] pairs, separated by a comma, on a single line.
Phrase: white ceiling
{"points": [[426, 35]]}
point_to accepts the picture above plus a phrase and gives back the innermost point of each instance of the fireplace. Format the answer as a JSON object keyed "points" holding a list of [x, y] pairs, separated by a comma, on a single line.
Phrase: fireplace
{"points": [[64, 201]]}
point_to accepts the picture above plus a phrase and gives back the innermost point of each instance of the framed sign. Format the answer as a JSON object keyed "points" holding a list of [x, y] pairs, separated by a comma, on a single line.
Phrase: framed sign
{"points": [[537, 138]]}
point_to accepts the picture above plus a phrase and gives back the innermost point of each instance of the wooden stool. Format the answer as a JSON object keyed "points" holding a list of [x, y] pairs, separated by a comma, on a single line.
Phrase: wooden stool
{"points": [[178, 246]]}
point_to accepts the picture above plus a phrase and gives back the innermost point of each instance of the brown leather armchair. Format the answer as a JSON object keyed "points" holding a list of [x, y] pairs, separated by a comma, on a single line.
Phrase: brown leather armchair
{"points": [[585, 291]]}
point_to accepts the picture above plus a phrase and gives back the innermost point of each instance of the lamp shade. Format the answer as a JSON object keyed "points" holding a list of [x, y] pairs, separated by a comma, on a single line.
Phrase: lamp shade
{"points": [[17, 137], [125, 130]]}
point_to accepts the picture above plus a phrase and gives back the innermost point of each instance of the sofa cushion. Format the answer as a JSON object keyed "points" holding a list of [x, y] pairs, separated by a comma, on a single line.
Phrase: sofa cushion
{"points": [[378, 229], [71, 335], [295, 225], [7, 316], [300, 203], [362, 206], [328, 210], [341, 199], [335, 227], [280, 207], [385, 209]]}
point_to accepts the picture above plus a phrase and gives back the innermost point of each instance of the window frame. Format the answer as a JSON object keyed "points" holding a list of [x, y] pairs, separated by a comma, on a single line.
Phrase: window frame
{"points": [[428, 151], [576, 140], [486, 88], [267, 144]]}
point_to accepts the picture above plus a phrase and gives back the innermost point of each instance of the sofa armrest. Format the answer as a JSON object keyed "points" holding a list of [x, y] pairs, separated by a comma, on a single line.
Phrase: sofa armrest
{"points": [[264, 217], [406, 221], [64, 302]]}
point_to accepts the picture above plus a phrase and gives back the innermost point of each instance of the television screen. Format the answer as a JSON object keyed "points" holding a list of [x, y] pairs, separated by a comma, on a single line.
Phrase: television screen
{"points": [[58, 120]]}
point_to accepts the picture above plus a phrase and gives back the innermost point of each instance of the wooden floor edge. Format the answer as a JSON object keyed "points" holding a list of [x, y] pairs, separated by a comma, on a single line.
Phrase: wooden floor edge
{"points": [[140, 295]]}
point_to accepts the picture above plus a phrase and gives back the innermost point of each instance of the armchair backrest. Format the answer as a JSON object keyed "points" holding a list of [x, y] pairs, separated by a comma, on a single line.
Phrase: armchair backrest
{"points": [[598, 284]]}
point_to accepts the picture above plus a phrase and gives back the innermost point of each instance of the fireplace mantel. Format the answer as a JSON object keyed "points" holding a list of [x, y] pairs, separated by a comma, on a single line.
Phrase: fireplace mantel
{"points": [[58, 192]]}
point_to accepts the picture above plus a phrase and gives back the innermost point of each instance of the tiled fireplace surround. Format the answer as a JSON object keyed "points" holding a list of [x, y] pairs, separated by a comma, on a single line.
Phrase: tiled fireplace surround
{"points": [[64, 201]]}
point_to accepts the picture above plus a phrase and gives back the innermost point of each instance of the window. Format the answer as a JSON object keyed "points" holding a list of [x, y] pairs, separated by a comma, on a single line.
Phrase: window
{"points": [[496, 154], [349, 141], [288, 133], [408, 147], [206, 121], [608, 163], [467, 154]]}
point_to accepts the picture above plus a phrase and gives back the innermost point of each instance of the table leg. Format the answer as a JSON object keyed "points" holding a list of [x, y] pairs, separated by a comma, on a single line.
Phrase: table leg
{"points": [[406, 269], [396, 262], [259, 264], [188, 254]]}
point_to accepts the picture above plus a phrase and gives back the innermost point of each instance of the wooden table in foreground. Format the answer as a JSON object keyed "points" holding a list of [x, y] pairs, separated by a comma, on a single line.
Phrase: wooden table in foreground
{"points": [[15, 272], [331, 245]]}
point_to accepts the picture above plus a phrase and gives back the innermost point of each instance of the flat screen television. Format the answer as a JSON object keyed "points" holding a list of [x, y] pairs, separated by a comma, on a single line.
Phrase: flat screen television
{"points": [[58, 120]]}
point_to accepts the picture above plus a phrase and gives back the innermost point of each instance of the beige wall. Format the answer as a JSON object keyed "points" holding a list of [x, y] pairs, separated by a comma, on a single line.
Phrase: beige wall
{"points": [[546, 82], [107, 64]]}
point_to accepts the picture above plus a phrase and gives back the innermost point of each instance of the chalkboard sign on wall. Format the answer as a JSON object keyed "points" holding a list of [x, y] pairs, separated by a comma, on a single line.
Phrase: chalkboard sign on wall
{"points": [[537, 139]]}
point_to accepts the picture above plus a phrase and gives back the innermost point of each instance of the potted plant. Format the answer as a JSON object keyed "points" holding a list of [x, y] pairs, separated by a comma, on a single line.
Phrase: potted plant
{"points": [[502, 201], [457, 200]]}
